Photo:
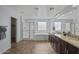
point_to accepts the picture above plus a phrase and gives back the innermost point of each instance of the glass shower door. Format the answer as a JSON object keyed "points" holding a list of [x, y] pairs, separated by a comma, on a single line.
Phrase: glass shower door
{"points": [[28, 32]]}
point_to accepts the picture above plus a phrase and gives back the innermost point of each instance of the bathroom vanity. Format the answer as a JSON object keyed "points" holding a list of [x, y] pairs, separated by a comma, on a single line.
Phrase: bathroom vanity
{"points": [[64, 44]]}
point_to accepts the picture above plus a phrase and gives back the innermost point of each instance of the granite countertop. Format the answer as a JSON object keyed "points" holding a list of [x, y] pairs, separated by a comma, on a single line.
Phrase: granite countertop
{"points": [[71, 40]]}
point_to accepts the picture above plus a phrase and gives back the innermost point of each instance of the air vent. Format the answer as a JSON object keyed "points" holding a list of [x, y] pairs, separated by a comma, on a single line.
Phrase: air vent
{"points": [[36, 8], [51, 9]]}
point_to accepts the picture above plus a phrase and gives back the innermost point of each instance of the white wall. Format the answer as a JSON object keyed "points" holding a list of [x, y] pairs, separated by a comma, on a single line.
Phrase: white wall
{"points": [[5, 20]]}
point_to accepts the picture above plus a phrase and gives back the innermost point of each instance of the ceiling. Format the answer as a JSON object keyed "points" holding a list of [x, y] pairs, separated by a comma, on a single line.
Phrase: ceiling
{"points": [[42, 10]]}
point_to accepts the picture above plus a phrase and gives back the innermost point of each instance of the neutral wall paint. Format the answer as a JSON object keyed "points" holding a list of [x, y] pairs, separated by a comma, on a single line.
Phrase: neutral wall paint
{"points": [[5, 20]]}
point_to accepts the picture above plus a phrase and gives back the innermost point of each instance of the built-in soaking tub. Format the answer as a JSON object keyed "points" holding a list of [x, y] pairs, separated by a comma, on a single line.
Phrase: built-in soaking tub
{"points": [[41, 36]]}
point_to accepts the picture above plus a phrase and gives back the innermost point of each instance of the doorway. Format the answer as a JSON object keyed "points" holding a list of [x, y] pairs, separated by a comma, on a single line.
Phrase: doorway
{"points": [[13, 29]]}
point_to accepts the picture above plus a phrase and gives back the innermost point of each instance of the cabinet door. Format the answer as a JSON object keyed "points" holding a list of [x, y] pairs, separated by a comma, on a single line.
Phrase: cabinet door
{"points": [[49, 38], [63, 47], [58, 44], [54, 42], [72, 49]]}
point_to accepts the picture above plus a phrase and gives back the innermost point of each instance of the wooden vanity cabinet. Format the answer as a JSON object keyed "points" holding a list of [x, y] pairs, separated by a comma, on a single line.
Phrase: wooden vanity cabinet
{"points": [[67, 48], [51, 40], [55, 42], [72, 49], [58, 45], [61, 46]]}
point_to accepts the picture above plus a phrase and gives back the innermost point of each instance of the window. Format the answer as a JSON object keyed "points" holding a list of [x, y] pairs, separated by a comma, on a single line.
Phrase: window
{"points": [[42, 26], [57, 26]]}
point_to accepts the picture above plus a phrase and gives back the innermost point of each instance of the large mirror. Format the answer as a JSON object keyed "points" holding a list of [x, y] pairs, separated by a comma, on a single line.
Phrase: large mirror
{"points": [[77, 29], [67, 27], [72, 28]]}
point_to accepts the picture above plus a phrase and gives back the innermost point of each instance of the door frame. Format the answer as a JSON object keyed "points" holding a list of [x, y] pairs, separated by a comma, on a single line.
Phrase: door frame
{"points": [[15, 30]]}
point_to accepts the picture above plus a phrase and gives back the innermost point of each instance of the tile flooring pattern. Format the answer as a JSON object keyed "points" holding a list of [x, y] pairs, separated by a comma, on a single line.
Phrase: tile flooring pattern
{"points": [[31, 47]]}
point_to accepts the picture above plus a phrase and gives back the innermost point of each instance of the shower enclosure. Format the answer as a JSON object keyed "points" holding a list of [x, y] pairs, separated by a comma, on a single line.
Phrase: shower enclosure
{"points": [[28, 30]]}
